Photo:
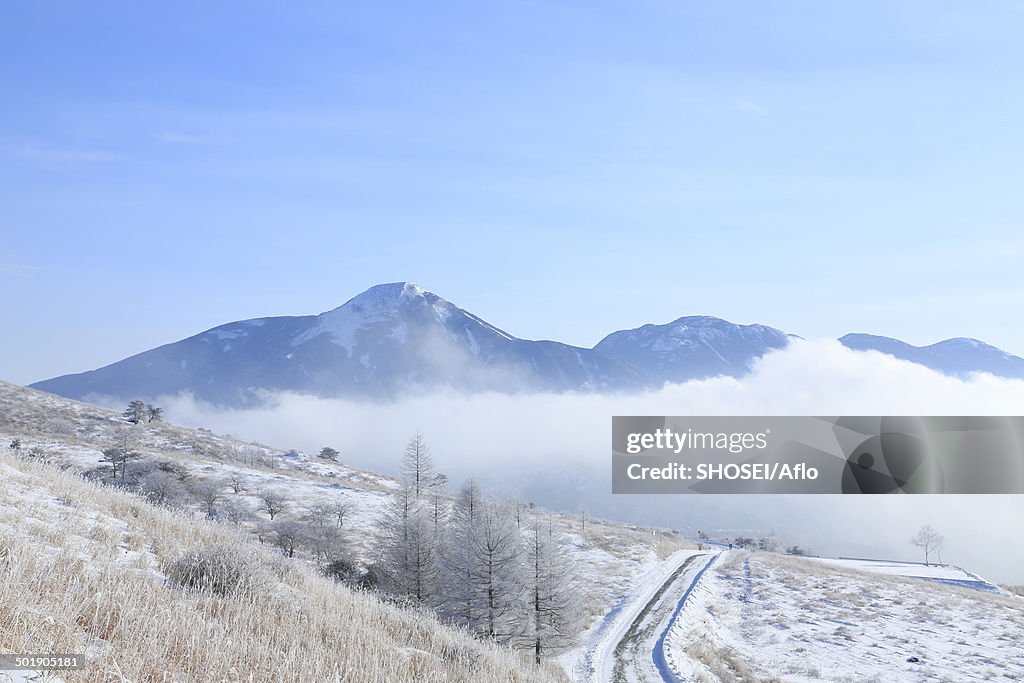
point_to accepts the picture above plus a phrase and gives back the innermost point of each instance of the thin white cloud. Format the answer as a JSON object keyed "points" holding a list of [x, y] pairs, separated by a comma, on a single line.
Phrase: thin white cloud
{"points": [[180, 138], [54, 155], [752, 107], [16, 269]]}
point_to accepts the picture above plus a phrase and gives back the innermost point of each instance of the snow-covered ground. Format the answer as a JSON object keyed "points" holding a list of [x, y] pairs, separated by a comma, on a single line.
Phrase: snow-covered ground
{"points": [[609, 555], [770, 617], [941, 573], [91, 569]]}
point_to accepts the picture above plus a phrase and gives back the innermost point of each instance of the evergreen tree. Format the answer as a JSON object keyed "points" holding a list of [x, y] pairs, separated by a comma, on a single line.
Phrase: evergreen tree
{"points": [[135, 412], [328, 453]]}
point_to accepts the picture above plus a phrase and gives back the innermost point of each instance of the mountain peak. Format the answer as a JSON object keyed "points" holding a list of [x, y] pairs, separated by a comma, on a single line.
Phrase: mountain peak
{"points": [[393, 292], [959, 356]]}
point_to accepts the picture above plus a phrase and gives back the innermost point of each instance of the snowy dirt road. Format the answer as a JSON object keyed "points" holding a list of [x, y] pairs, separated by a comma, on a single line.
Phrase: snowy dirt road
{"points": [[626, 644]]}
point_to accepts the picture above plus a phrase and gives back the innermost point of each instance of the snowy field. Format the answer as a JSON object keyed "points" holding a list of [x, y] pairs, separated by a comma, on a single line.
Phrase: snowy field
{"points": [[769, 617], [940, 573]]}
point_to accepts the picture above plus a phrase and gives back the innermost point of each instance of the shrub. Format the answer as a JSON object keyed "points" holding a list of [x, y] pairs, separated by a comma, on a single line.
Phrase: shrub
{"points": [[216, 569], [342, 569]]}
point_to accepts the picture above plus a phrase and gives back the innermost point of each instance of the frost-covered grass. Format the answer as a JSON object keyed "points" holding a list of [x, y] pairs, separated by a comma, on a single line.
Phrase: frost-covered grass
{"points": [[763, 617], [84, 568], [72, 435]]}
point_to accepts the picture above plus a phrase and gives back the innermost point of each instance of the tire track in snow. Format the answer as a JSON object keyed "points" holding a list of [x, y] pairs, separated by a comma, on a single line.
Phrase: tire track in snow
{"points": [[660, 662]]}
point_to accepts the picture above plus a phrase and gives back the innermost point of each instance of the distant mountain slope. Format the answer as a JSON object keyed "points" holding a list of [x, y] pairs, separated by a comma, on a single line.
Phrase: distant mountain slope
{"points": [[692, 347], [398, 338], [959, 356], [390, 338]]}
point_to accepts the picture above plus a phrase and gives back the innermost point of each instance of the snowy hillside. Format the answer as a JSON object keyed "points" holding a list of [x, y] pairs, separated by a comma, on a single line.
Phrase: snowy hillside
{"points": [[948, 574], [693, 347], [956, 357], [229, 479], [90, 569]]}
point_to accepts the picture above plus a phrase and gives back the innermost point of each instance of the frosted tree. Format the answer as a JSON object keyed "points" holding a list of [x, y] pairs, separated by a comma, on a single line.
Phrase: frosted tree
{"points": [[154, 413], [121, 453], [273, 503], [459, 555], [135, 412], [410, 551], [418, 466], [929, 540], [438, 505], [341, 509], [551, 616], [497, 573], [208, 494]]}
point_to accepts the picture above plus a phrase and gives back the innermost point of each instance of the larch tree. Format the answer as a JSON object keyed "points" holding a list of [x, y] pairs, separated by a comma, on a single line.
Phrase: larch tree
{"points": [[551, 617], [410, 549], [418, 466], [497, 573], [459, 555]]}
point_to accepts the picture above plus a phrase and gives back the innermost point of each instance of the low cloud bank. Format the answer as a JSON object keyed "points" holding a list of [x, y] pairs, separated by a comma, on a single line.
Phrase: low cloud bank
{"points": [[555, 448]]}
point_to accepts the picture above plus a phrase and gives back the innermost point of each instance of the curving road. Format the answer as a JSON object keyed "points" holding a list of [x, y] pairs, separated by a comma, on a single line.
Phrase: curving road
{"points": [[631, 645]]}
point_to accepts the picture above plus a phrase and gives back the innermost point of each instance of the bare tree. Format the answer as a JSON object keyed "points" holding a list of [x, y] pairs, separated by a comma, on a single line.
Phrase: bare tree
{"points": [[162, 488], [460, 560], [410, 548], [929, 540], [418, 466], [234, 511], [317, 514], [325, 543], [497, 575], [208, 494], [153, 413], [341, 509], [236, 482], [552, 612], [439, 508], [273, 503], [288, 535]]}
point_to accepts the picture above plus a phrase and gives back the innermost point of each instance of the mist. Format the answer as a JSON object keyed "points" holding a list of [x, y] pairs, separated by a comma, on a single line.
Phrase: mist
{"points": [[554, 449]]}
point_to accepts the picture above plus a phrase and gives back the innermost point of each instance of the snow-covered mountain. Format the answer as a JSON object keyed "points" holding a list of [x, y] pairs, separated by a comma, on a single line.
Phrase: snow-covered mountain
{"points": [[397, 338], [958, 357], [390, 338], [692, 347]]}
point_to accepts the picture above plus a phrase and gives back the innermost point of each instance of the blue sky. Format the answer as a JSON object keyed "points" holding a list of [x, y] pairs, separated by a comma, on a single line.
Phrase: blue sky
{"points": [[561, 169]]}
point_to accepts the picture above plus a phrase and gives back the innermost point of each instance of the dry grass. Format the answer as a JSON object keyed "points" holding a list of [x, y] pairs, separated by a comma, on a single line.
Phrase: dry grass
{"points": [[618, 539], [84, 568]]}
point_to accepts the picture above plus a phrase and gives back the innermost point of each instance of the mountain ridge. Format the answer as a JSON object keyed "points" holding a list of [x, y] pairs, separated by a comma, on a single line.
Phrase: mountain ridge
{"points": [[397, 337]]}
